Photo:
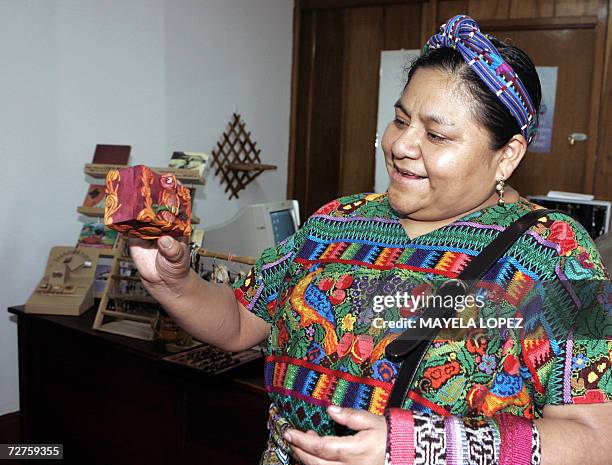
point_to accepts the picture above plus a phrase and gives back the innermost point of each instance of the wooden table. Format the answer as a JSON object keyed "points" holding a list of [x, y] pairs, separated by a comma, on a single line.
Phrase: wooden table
{"points": [[114, 400]]}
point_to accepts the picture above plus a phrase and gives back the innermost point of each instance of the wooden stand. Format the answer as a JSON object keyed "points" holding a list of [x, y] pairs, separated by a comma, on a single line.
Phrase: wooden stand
{"points": [[122, 323], [227, 256], [134, 325], [67, 285]]}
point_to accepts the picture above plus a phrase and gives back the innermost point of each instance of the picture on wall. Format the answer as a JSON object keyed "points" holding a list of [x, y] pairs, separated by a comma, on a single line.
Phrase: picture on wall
{"points": [[548, 80]]}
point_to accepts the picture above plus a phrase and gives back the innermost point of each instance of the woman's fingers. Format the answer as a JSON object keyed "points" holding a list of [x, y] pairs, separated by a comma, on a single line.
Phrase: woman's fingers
{"points": [[309, 459], [165, 259], [329, 448], [144, 254], [366, 447], [356, 419]]}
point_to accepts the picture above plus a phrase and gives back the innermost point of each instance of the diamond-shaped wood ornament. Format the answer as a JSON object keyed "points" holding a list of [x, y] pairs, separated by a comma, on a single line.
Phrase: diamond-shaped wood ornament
{"points": [[236, 158]]}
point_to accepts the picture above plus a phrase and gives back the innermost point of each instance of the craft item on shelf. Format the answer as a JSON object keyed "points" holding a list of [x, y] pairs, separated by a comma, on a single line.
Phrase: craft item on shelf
{"points": [[195, 243], [95, 196], [190, 161], [236, 158], [106, 154], [210, 270], [241, 275], [197, 237], [97, 235], [67, 285], [102, 274], [165, 329], [145, 204], [220, 274]]}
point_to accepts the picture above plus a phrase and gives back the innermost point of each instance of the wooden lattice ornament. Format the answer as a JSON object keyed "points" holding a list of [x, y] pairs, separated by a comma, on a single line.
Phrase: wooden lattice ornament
{"points": [[236, 158]]}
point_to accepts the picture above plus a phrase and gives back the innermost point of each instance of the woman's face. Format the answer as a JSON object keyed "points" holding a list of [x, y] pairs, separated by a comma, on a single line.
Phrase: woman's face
{"points": [[438, 158]]}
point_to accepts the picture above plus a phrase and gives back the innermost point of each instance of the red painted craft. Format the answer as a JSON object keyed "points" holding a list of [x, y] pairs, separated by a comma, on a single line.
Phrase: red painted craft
{"points": [[145, 204]]}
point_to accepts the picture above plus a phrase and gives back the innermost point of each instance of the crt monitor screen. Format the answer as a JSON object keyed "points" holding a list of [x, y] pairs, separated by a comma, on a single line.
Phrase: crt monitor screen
{"points": [[282, 225]]}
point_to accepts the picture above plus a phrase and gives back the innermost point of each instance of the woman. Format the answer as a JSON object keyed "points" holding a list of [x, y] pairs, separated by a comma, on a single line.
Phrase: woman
{"points": [[462, 126]]}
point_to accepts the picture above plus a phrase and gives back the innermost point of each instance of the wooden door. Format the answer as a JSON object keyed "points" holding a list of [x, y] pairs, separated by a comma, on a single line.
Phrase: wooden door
{"points": [[567, 167]]}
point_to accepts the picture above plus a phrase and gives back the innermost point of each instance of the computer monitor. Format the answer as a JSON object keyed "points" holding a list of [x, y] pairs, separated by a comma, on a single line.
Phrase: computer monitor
{"points": [[254, 228]]}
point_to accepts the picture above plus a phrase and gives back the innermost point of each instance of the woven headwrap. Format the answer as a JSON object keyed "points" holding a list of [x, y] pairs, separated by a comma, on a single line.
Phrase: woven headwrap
{"points": [[463, 34]]}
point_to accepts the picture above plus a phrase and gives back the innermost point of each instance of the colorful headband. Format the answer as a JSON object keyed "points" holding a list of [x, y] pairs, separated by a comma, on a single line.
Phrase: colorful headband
{"points": [[463, 34]]}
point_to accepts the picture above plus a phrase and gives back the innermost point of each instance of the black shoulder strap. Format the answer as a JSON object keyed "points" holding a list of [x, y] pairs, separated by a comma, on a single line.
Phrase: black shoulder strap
{"points": [[410, 346]]}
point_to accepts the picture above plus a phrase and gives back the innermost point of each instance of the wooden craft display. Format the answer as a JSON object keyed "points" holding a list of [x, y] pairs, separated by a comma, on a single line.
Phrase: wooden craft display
{"points": [[236, 158], [111, 316], [118, 309], [125, 308], [67, 284]]}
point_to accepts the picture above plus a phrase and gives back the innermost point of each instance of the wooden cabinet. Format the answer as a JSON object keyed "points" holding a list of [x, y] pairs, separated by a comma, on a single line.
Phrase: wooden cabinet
{"points": [[337, 46], [113, 400]]}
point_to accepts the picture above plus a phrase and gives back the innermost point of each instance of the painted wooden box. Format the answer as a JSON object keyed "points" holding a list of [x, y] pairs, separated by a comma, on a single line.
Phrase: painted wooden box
{"points": [[146, 204]]}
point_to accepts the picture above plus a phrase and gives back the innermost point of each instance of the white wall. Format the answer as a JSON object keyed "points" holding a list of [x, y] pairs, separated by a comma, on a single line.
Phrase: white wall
{"points": [[160, 75]]}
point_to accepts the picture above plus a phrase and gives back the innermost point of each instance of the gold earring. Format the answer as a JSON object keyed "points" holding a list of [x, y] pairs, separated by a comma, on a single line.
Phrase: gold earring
{"points": [[500, 191]]}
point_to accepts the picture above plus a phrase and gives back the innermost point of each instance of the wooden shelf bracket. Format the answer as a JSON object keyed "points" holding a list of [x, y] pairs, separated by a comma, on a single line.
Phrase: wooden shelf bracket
{"points": [[236, 158]]}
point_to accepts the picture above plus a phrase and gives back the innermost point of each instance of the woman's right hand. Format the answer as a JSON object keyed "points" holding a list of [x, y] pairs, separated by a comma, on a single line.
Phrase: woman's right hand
{"points": [[208, 311], [162, 264]]}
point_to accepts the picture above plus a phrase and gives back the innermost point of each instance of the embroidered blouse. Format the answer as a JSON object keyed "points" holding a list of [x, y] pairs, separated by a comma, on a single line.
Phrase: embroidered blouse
{"points": [[322, 290]]}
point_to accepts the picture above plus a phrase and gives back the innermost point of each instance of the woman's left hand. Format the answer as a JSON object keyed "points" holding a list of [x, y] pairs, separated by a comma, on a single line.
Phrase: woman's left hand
{"points": [[367, 446]]}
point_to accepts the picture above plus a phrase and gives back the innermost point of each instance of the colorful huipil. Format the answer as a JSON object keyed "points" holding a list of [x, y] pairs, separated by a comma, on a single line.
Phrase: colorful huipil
{"points": [[320, 291]]}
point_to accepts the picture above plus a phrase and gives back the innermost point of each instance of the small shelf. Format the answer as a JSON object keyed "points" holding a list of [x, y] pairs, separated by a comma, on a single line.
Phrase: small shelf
{"points": [[250, 167], [125, 327], [91, 211], [236, 159], [99, 213], [99, 171]]}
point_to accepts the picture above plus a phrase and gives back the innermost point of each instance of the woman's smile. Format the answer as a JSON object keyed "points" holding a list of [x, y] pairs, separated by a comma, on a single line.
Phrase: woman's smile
{"points": [[404, 175]]}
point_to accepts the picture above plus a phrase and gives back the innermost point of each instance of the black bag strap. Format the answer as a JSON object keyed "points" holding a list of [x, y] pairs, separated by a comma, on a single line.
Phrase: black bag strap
{"points": [[410, 347]]}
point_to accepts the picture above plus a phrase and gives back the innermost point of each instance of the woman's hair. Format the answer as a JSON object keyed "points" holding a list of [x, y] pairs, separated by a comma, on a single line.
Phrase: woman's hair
{"points": [[488, 110]]}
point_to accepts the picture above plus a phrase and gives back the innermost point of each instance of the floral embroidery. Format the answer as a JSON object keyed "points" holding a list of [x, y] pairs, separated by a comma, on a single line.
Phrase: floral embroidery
{"points": [[348, 321], [440, 374], [488, 364], [384, 370], [561, 233], [579, 361]]}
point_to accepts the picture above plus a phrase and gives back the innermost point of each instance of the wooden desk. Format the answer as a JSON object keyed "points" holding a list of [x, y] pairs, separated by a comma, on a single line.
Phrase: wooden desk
{"points": [[114, 400]]}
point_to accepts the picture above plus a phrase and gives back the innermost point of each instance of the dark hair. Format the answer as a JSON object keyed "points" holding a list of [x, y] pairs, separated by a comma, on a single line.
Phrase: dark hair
{"points": [[488, 109]]}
